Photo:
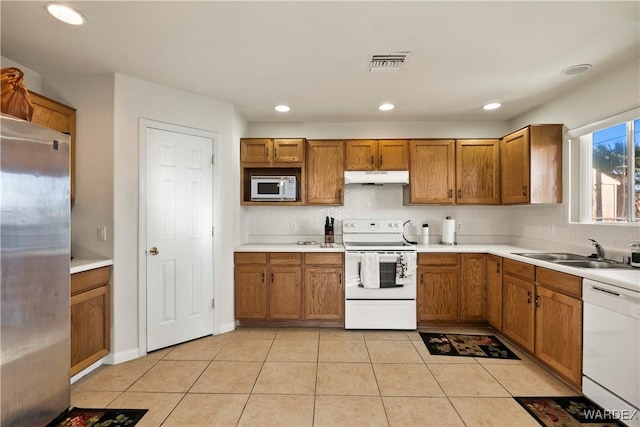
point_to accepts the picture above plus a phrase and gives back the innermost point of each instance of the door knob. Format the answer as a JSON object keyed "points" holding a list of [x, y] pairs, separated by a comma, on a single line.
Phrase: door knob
{"points": [[154, 251]]}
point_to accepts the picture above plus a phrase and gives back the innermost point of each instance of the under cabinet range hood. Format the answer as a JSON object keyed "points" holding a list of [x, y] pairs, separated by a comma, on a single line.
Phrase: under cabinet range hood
{"points": [[376, 177]]}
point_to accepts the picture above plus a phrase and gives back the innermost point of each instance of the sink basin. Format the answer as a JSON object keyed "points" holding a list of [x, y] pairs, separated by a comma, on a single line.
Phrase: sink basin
{"points": [[592, 263], [553, 256]]}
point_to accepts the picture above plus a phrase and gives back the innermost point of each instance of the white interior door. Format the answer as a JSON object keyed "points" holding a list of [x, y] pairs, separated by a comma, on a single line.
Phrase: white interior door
{"points": [[179, 242]]}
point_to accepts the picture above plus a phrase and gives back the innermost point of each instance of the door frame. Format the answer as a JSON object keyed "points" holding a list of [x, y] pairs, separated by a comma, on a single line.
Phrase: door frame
{"points": [[143, 125]]}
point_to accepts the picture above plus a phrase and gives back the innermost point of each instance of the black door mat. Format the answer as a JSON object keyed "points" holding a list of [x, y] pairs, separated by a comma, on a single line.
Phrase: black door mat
{"points": [[88, 417], [466, 345], [570, 412]]}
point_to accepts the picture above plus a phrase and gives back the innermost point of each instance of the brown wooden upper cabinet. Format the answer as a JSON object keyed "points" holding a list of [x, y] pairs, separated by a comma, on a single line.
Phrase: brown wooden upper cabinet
{"points": [[432, 171], [267, 151], [477, 172], [377, 154], [531, 165], [325, 172], [60, 117]]}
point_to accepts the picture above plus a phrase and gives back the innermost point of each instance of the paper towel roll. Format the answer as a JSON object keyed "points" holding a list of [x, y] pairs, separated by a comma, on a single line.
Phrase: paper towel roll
{"points": [[449, 231]]}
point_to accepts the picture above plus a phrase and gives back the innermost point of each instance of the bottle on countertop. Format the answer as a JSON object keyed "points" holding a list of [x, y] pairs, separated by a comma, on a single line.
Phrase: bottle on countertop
{"points": [[635, 253], [424, 236]]}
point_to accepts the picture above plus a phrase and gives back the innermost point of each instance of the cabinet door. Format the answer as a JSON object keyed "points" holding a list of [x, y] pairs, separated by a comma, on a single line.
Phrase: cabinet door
{"points": [[60, 117], [90, 323], [362, 155], [515, 167], [432, 171], [323, 293], [256, 150], [518, 310], [477, 172], [325, 173], [558, 333], [472, 286], [288, 150], [285, 292], [250, 292], [438, 293], [493, 293], [393, 155]]}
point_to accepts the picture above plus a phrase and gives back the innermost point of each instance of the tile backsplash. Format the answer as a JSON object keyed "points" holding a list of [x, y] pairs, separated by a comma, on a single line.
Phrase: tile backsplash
{"points": [[477, 224]]}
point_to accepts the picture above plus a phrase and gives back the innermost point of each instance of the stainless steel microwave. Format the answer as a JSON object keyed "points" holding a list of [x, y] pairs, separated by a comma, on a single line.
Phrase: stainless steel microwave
{"points": [[274, 188]]}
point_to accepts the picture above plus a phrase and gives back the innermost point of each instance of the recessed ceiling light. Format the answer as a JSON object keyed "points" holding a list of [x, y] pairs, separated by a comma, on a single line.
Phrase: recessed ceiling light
{"points": [[65, 13], [282, 108], [386, 107], [491, 106], [576, 69]]}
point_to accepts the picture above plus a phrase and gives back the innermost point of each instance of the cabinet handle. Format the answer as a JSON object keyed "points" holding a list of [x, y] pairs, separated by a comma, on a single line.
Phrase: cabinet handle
{"points": [[422, 279], [339, 193], [372, 159], [271, 277], [528, 297], [524, 190], [262, 277], [497, 267], [459, 193], [266, 151], [340, 279], [537, 300], [275, 153], [450, 193], [380, 164]]}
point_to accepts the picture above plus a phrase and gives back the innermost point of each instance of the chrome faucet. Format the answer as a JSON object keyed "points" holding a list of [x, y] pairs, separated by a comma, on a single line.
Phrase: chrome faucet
{"points": [[599, 249]]}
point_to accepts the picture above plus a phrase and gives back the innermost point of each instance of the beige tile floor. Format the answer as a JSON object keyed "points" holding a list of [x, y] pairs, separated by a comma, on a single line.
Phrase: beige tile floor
{"points": [[320, 377]]}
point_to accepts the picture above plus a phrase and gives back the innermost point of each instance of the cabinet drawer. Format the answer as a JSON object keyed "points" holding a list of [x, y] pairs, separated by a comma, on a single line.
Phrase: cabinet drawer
{"points": [[285, 258], [89, 279], [438, 259], [567, 284], [245, 258], [311, 258], [519, 269]]}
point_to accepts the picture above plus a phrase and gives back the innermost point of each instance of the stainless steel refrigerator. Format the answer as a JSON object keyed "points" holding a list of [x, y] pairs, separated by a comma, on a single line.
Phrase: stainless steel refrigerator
{"points": [[34, 269]]}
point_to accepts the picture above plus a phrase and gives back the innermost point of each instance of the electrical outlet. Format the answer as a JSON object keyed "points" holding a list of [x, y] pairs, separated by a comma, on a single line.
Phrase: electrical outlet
{"points": [[459, 226], [293, 226], [102, 234]]}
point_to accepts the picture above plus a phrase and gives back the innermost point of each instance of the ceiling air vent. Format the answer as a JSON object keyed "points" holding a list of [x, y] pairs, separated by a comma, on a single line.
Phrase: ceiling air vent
{"points": [[388, 62]]}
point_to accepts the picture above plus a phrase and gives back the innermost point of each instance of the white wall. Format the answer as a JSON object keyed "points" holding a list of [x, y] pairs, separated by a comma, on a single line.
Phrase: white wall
{"points": [[607, 95], [92, 97], [135, 99]]}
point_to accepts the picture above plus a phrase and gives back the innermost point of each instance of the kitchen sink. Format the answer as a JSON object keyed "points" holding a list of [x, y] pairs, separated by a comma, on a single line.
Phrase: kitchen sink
{"points": [[592, 263], [553, 256]]}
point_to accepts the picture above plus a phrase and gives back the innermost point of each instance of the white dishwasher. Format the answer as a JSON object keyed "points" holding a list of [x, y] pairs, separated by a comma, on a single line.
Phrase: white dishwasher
{"points": [[611, 349]]}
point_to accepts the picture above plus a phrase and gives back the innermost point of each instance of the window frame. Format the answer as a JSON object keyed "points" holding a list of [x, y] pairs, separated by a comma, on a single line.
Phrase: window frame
{"points": [[580, 143]]}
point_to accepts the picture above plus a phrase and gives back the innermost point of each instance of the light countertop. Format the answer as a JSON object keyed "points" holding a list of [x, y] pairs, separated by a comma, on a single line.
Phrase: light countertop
{"points": [[79, 265], [625, 278]]}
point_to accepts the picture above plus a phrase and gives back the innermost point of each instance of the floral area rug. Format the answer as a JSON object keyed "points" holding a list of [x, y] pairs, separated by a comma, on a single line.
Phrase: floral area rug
{"points": [[466, 345], [569, 412], [83, 417]]}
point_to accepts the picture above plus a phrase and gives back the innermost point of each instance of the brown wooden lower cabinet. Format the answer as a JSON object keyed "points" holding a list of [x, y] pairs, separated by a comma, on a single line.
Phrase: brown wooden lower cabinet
{"points": [[558, 338], [518, 310], [493, 293], [90, 318], [281, 287], [323, 286], [451, 287]]}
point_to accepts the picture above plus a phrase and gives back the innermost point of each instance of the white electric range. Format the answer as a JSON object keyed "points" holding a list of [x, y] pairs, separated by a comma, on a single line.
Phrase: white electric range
{"points": [[378, 248]]}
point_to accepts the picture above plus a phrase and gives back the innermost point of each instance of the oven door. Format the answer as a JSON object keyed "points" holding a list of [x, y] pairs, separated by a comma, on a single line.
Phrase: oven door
{"points": [[388, 290]]}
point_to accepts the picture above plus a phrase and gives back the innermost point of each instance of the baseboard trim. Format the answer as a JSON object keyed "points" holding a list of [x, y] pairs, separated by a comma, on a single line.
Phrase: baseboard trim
{"points": [[226, 327], [86, 371], [121, 356]]}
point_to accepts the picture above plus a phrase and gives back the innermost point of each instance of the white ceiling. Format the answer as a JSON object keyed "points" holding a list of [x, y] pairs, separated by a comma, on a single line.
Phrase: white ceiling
{"points": [[314, 55]]}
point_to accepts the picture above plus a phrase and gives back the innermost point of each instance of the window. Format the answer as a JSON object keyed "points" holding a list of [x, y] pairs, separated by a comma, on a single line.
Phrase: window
{"points": [[606, 181]]}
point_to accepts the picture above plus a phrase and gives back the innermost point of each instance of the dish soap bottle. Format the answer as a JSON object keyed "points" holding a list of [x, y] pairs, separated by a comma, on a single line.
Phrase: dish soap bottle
{"points": [[425, 234]]}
